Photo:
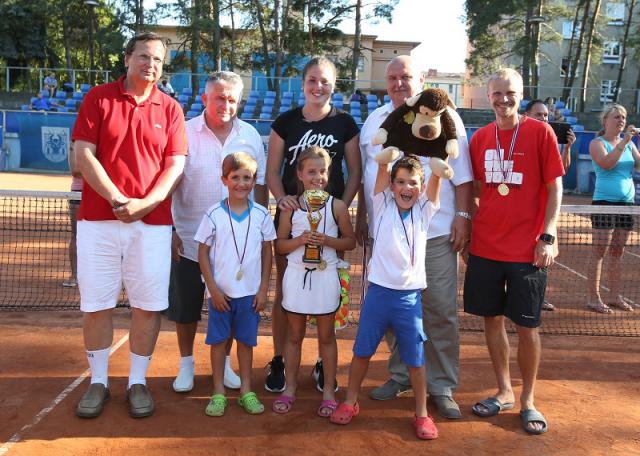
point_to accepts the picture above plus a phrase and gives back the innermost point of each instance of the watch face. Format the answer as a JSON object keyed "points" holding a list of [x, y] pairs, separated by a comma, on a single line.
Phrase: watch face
{"points": [[549, 239]]}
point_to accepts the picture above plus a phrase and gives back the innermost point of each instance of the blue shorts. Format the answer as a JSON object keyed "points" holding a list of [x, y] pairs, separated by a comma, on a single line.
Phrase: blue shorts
{"points": [[242, 318], [400, 310]]}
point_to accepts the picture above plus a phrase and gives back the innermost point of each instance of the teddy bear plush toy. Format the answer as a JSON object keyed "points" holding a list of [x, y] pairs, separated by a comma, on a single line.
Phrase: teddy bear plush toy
{"points": [[423, 127]]}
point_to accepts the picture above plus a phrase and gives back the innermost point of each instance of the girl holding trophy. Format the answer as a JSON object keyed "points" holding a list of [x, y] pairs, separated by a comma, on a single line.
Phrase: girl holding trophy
{"points": [[310, 237]]}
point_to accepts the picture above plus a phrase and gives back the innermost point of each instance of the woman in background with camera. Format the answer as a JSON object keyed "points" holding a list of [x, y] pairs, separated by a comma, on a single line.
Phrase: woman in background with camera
{"points": [[614, 158]]}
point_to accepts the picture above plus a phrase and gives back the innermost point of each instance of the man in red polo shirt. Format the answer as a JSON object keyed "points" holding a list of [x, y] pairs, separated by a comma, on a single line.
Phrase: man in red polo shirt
{"points": [[130, 146]]}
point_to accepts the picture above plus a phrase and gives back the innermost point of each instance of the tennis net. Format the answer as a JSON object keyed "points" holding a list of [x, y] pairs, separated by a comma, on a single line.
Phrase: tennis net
{"points": [[35, 230]]}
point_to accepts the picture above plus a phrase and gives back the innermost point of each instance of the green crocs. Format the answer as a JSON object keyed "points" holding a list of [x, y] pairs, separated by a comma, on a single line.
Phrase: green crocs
{"points": [[250, 403], [216, 406]]}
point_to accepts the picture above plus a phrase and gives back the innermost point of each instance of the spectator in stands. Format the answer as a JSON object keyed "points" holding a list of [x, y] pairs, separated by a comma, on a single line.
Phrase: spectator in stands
{"points": [[512, 240], [165, 87], [317, 123], [448, 234], [74, 205], [614, 158], [43, 103], [212, 135], [536, 109], [51, 84], [359, 96], [124, 222]]}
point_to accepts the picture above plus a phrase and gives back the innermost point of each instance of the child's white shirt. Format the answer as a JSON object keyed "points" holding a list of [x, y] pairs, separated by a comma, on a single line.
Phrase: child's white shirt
{"points": [[398, 260], [215, 231]]}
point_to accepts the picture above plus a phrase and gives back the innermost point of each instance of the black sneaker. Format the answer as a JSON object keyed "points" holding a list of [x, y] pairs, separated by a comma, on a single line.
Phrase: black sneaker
{"points": [[276, 382], [318, 376]]}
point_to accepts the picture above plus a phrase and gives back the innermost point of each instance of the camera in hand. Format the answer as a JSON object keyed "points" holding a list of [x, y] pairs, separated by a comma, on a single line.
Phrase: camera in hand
{"points": [[561, 129]]}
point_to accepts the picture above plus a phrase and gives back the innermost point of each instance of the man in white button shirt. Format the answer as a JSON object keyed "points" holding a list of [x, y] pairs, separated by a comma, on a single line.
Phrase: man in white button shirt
{"points": [[213, 135], [447, 235]]}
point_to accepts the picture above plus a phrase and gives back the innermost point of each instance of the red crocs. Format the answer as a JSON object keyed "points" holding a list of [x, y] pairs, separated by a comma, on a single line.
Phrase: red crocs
{"points": [[425, 427]]}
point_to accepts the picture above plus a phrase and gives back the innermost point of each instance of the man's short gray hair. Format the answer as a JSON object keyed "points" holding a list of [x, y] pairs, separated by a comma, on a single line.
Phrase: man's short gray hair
{"points": [[227, 76], [504, 74]]}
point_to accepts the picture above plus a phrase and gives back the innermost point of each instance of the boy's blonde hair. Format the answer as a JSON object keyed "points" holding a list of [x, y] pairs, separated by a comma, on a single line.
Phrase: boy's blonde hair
{"points": [[239, 160]]}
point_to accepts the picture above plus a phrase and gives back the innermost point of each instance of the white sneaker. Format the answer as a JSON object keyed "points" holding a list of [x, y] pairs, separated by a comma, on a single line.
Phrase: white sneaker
{"points": [[184, 381], [231, 379]]}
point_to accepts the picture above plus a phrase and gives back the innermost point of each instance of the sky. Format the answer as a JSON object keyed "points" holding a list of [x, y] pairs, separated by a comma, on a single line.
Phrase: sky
{"points": [[437, 24]]}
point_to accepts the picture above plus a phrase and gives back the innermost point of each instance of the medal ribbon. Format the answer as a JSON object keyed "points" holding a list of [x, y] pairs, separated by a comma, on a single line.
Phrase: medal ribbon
{"points": [[233, 233], [511, 147], [406, 236]]}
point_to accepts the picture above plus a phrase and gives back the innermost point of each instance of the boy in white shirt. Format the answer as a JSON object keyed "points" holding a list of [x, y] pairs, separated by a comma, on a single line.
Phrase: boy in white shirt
{"points": [[402, 213], [235, 259]]}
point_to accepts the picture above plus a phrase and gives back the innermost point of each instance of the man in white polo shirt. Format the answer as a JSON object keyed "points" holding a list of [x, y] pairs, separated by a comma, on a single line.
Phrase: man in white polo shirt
{"points": [[213, 135], [447, 235]]}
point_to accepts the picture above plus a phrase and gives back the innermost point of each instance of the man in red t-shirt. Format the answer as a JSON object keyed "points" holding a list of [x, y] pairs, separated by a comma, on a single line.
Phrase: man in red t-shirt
{"points": [[518, 179], [130, 146]]}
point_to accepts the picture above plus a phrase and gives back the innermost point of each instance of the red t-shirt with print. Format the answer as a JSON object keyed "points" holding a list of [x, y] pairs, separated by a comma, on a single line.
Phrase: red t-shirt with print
{"points": [[506, 228]]}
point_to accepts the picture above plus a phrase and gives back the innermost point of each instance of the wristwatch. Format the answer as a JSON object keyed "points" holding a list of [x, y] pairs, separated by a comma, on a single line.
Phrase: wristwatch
{"points": [[463, 214], [547, 238]]}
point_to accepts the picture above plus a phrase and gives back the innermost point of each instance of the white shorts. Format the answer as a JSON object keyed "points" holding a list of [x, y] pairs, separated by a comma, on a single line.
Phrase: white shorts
{"points": [[111, 253], [310, 291]]}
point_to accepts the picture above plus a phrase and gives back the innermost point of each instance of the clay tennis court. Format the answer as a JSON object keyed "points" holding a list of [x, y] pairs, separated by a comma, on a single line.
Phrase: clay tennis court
{"points": [[588, 389]]}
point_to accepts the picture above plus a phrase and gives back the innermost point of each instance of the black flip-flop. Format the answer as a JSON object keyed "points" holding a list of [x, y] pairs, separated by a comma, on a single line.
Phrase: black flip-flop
{"points": [[493, 407], [533, 416]]}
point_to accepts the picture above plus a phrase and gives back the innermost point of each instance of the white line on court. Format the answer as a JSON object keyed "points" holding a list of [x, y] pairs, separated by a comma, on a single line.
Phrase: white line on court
{"points": [[586, 278], [15, 438], [631, 253]]}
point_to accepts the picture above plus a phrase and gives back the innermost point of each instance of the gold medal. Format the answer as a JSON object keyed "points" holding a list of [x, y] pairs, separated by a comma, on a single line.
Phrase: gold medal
{"points": [[322, 265], [239, 275], [503, 189]]}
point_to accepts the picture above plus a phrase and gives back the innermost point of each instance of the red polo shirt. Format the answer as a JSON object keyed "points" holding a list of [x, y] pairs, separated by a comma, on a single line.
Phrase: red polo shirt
{"points": [[132, 141]]}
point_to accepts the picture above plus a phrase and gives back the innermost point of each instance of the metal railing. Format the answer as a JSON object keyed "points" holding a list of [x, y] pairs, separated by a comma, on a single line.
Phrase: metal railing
{"points": [[31, 79]]}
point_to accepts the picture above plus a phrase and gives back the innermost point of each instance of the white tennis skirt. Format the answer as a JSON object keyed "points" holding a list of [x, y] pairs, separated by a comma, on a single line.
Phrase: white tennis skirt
{"points": [[308, 290]]}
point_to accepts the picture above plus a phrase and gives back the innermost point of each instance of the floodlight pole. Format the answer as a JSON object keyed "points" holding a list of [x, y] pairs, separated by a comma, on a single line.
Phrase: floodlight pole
{"points": [[91, 4]]}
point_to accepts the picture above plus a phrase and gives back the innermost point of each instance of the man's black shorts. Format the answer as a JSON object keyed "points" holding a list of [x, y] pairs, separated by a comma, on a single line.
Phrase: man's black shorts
{"points": [[515, 290], [611, 221], [186, 292]]}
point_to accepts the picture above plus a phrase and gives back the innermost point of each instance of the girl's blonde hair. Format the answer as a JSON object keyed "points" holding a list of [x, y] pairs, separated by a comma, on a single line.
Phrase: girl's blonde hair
{"points": [[311, 153], [612, 107]]}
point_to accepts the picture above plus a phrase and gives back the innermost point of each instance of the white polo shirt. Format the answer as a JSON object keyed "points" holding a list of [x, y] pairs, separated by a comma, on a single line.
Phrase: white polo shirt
{"points": [[215, 231], [400, 243], [201, 185], [441, 223]]}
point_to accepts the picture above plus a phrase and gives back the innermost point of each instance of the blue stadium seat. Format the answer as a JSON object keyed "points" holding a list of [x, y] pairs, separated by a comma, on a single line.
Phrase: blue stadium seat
{"points": [[357, 119], [523, 104], [284, 109], [45, 93], [577, 127], [192, 114], [68, 87], [201, 91], [266, 109], [84, 88], [70, 103], [372, 97], [24, 107], [254, 94], [187, 91], [356, 112], [565, 112], [371, 105], [571, 120], [33, 100], [78, 96], [183, 98], [269, 101], [387, 99], [61, 94], [62, 109], [287, 95], [560, 104], [249, 106], [337, 96], [338, 104], [270, 94], [301, 99], [197, 107], [265, 116], [355, 105], [246, 115]]}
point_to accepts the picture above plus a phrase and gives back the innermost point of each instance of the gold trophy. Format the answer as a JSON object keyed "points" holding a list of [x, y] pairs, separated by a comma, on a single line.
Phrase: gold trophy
{"points": [[314, 200]]}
